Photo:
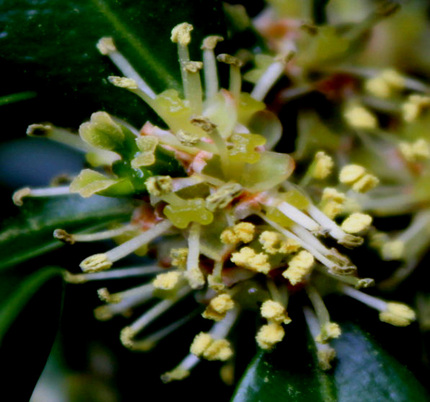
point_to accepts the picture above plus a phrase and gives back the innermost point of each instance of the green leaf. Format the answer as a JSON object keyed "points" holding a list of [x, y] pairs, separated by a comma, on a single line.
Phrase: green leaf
{"points": [[54, 44], [363, 372], [31, 232], [30, 311]]}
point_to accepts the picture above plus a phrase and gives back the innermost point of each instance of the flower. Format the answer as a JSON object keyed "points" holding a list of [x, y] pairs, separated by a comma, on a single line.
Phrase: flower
{"points": [[233, 212]]}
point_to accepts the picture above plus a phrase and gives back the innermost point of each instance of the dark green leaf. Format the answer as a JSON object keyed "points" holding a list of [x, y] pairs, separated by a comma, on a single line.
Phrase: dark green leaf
{"points": [[30, 233], [363, 372], [50, 45], [30, 311]]}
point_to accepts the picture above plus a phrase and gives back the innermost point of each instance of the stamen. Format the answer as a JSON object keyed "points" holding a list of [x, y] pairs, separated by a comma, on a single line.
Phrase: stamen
{"points": [[182, 370], [194, 274], [273, 311], [358, 283], [206, 125], [332, 266], [62, 235], [218, 307], [393, 313], [105, 261], [269, 335], [124, 302], [107, 47], [128, 333], [268, 79], [210, 68], [150, 341], [294, 214], [59, 135], [325, 353], [235, 76], [335, 231], [181, 36], [358, 178], [299, 267], [133, 86], [193, 86], [356, 223], [359, 117], [38, 192], [329, 330], [278, 294], [113, 274], [215, 279]]}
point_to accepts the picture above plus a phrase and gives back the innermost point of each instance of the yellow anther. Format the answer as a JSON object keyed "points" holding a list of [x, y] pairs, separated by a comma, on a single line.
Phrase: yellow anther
{"points": [[271, 241], [242, 232], [269, 335], [167, 280], [176, 374], [39, 130], [200, 343], [229, 237], [357, 177], [95, 263], [126, 337], [360, 117], [193, 66], [248, 258], [220, 349], [19, 195], [105, 296], [195, 277], [332, 208], [415, 151], [103, 313], [351, 173], [397, 314], [222, 303], [332, 194], [383, 85], [106, 46], [366, 183], [181, 34], [323, 166], [329, 331], [123, 82], [218, 307], [210, 42], [356, 223], [274, 311], [299, 266], [65, 237], [228, 59], [414, 106], [205, 346]]}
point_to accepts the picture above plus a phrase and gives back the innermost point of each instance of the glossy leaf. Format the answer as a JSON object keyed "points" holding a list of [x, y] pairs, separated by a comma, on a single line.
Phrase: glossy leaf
{"points": [[30, 311], [363, 372], [31, 232], [51, 47]]}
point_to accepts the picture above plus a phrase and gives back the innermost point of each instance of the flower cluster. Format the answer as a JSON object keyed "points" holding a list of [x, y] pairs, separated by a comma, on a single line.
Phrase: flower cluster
{"points": [[233, 215], [381, 116]]}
